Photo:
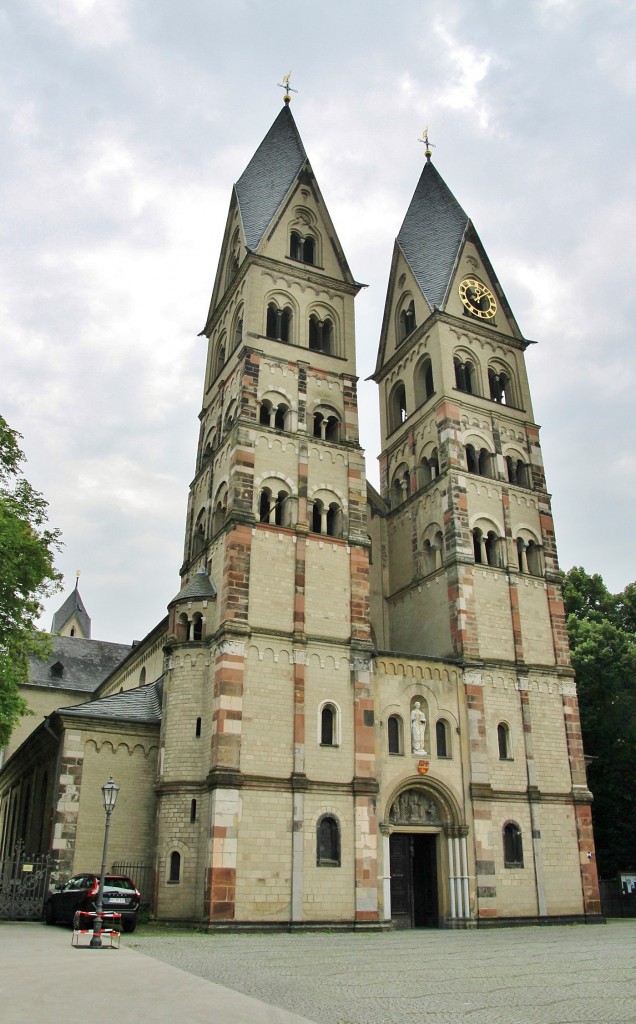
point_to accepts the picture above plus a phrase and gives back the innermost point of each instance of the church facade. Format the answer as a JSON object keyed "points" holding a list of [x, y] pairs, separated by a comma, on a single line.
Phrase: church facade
{"points": [[360, 708]]}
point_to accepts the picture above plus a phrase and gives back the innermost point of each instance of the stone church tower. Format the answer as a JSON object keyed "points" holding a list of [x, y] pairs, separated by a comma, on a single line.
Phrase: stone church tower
{"points": [[275, 716], [470, 570]]}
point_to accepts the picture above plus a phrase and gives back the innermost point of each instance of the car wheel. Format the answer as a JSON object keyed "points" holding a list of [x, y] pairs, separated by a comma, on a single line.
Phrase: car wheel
{"points": [[129, 926], [49, 914]]}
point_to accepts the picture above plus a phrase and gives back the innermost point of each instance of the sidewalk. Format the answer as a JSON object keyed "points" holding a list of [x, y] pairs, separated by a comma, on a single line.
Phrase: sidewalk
{"points": [[43, 979]]}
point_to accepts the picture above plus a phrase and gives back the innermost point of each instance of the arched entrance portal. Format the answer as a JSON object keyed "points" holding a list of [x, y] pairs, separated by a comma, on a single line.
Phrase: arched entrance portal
{"points": [[425, 849]]}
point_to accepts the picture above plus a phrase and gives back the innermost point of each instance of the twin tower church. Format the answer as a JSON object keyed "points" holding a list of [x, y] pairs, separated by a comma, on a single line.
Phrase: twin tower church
{"points": [[360, 708]]}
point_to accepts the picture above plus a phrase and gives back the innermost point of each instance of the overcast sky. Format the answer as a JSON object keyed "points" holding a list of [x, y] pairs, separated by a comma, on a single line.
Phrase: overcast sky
{"points": [[124, 124]]}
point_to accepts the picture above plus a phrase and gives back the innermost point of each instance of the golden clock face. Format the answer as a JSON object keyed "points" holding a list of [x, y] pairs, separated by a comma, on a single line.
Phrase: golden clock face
{"points": [[477, 299]]}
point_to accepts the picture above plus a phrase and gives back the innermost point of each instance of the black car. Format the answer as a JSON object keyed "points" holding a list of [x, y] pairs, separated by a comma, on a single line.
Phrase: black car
{"points": [[80, 893]]}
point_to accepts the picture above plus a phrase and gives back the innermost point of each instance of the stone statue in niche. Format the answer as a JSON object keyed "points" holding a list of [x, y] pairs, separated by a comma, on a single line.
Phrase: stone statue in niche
{"points": [[412, 807], [418, 729]]}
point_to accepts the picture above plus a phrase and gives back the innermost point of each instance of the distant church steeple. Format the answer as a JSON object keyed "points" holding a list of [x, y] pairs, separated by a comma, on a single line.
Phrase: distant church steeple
{"points": [[72, 619]]}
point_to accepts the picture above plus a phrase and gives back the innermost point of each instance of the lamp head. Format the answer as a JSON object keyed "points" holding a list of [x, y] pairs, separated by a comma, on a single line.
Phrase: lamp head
{"points": [[110, 791]]}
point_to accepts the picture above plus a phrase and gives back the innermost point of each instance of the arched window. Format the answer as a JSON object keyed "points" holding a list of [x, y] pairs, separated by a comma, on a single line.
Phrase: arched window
{"points": [[328, 726], [533, 556], [407, 321], [183, 628], [512, 845], [334, 520], [442, 738], [431, 553], [428, 469], [220, 509], [197, 626], [309, 249], [397, 406], [175, 867], [484, 462], [465, 376], [274, 507], [503, 742], [321, 334], [401, 486], [295, 246], [278, 325], [518, 472], [142, 676], [478, 550], [326, 519], [238, 332], [233, 259], [328, 842], [220, 356], [326, 426], [424, 387], [280, 416], [500, 385], [395, 734], [472, 462], [316, 517], [198, 536], [265, 413], [302, 249], [277, 416]]}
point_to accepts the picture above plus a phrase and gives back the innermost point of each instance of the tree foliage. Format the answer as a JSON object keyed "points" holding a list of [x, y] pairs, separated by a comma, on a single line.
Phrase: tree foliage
{"points": [[602, 632], [27, 574]]}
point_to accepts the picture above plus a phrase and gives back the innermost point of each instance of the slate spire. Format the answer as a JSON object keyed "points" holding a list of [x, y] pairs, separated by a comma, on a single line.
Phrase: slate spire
{"points": [[431, 235], [269, 176], [73, 606]]}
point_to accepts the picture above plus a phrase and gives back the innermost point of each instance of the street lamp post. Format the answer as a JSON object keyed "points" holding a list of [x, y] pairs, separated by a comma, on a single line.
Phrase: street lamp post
{"points": [[109, 792]]}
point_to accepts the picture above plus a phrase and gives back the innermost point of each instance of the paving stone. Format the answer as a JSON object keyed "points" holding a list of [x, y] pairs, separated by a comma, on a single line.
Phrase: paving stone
{"points": [[537, 975]]}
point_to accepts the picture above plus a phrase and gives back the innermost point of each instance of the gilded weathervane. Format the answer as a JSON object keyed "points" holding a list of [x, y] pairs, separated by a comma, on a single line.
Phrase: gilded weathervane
{"points": [[287, 87], [429, 145]]}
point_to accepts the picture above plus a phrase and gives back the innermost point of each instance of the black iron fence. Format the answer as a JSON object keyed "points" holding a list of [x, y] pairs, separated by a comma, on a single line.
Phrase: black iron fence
{"points": [[24, 885], [143, 875]]}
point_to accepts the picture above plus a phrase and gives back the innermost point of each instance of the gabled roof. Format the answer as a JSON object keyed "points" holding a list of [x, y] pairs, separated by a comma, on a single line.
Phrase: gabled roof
{"points": [[143, 704], [431, 235], [269, 176], [72, 606], [85, 664], [199, 588]]}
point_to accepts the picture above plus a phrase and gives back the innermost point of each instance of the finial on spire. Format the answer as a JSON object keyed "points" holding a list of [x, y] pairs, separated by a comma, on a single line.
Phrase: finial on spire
{"points": [[77, 576], [429, 145], [287, 87]]}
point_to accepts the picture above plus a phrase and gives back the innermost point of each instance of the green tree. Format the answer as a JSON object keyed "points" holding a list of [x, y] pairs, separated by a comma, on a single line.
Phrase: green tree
{"points": [[602, 632], [27, 574]]}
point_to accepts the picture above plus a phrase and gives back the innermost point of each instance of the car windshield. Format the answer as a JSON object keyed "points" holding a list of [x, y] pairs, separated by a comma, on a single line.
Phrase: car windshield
{"points": [[119, 883]]}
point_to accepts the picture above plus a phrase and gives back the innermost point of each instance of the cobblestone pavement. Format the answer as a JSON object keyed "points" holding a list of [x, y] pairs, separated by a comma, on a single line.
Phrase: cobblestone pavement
{"points": [[537, 975]]}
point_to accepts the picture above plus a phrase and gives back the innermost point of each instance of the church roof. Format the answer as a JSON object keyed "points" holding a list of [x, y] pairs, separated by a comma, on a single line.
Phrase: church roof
{"points": [[199, 588], [431, 235], [142, 704], [72, 606], [269, 176], [76, 664]]}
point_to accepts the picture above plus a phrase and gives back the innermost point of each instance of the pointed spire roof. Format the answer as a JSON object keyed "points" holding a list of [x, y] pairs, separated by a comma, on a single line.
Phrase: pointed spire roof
{"points": [[72, 606], [199, 587], [432, 234], [269, 176]]}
